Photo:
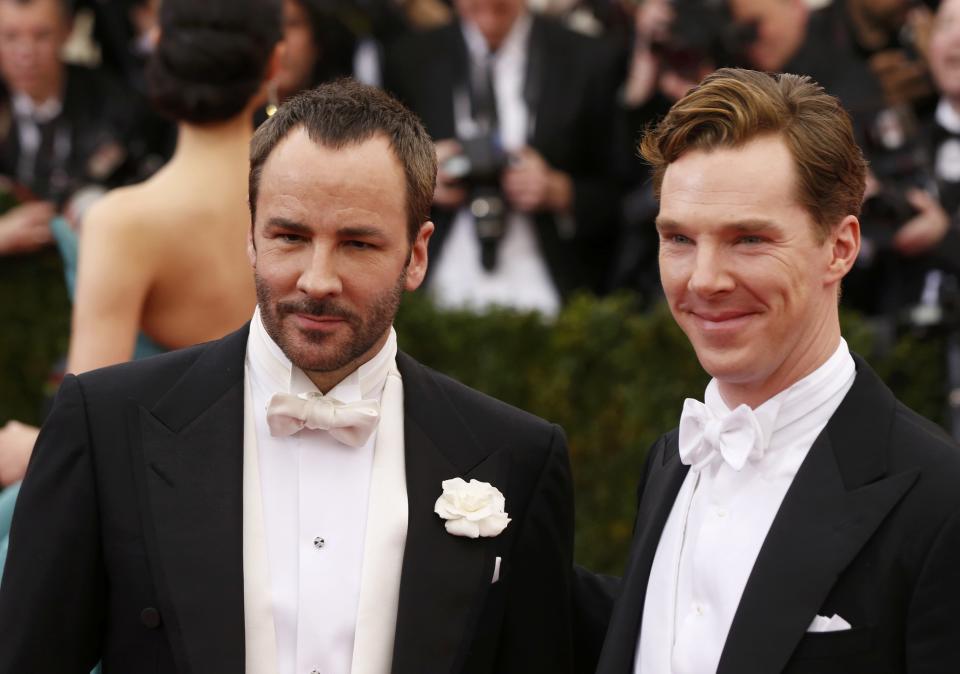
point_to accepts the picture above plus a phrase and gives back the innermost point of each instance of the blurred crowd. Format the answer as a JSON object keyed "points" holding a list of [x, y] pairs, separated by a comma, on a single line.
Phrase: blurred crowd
{"points": [[123, 141], [535, 105]]}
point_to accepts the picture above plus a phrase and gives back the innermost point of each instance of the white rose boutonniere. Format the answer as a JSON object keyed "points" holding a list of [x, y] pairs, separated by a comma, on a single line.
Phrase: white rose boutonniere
{"points": [[472, 509]]}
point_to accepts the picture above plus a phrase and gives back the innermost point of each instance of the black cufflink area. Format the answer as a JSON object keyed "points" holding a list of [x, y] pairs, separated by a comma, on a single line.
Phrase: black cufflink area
{"points": [[150, 617]]}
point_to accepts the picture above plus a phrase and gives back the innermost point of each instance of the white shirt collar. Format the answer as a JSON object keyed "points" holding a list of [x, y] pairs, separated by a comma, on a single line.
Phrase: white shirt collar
{"points": [[269, 361], [947, 116], [801, 399], [515, 43], [23, 106]]}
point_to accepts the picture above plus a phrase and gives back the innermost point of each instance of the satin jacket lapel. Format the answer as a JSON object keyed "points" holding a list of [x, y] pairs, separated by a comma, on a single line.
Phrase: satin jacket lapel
{"points": [[190, 480], [837, 500], [665, 475], [444, 577]]}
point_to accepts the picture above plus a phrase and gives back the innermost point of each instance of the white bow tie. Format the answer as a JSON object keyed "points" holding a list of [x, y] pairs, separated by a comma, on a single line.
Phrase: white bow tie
{"points": [[704, 436], [350, 423]]}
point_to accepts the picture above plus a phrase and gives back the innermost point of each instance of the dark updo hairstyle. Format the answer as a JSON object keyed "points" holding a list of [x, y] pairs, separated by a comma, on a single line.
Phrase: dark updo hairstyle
{"points": [[211, 57]]}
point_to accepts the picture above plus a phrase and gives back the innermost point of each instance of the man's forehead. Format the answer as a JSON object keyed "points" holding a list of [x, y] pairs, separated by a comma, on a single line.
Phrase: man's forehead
{"points": [[50, 12], [298, 146], [762, 162]]}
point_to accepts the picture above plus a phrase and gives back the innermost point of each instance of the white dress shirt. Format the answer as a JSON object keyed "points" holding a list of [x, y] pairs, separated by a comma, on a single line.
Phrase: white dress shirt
{"points": [[315, 498], [521, 278], [719, 521], [29, 115]]}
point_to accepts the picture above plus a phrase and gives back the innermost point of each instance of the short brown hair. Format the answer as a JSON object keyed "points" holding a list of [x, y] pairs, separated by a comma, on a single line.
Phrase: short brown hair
{"points": [[346, 112], [733, 106]]}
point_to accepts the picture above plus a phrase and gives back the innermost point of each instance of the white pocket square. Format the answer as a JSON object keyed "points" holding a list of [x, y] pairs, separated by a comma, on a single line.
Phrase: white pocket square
{"points": [[496, 571], [824, 624]]}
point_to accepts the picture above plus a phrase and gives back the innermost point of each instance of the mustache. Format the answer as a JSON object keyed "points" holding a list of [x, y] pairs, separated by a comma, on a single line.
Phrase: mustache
{"points": [[312, 307]]}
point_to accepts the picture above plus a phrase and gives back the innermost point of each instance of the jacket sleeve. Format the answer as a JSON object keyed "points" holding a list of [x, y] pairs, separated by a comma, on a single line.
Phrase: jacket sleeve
{"points": [[537, 629], [933, 624], [52, 594]]}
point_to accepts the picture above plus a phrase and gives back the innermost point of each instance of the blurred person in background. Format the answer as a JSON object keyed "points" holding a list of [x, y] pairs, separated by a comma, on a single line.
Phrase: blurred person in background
{"points": [[317, 47], [163, 264], [328, 39], [62, 127], [673, 45], [521, 107], [125, 33]]}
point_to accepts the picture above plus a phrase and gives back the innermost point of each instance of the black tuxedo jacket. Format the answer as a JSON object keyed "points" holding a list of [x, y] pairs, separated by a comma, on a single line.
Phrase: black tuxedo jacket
{"points": [[127, 539], [574, 79], [869, 530]]}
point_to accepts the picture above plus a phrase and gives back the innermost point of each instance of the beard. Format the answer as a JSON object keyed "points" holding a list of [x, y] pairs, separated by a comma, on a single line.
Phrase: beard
{"points": [[318, 351]]}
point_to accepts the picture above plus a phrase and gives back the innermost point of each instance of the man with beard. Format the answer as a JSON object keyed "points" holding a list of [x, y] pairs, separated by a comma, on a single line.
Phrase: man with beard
{"points": [[299, 496]]}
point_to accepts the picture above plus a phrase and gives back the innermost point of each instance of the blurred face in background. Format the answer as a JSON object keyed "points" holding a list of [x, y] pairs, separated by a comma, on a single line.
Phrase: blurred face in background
{"points": [[300, 50], [781, 30], [32, 36], [493, 18], [944, 53]]}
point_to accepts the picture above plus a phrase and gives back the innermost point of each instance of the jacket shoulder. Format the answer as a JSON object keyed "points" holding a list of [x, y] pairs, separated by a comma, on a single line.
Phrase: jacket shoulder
{"points": [[149, 379]]}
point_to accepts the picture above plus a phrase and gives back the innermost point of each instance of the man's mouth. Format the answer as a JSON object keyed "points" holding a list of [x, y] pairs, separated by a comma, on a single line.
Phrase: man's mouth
{"points": [[728, 319]]}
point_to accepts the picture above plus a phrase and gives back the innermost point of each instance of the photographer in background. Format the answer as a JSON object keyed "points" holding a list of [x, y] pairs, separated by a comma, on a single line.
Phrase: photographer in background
{"points": [[916, 248], [525, 205], [674, 45]]}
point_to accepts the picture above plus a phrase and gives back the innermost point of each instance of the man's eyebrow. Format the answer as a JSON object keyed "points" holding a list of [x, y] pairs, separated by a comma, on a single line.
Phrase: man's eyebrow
{"points": [[747, 226], [361, 231], [286, 223], [666, 224]]}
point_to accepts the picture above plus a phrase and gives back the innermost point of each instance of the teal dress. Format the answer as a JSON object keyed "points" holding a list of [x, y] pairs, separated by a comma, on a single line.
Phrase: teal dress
{"points": [[68, 245]]}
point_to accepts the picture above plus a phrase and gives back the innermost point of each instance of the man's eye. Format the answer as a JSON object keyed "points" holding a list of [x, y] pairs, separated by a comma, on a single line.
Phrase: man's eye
{"points": [[287, 237], [751, 239], [677, 238], [359, 245]]}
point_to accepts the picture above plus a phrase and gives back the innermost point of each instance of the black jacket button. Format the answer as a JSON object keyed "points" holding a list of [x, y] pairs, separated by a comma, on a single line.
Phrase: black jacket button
{"points": [[150, 617]]}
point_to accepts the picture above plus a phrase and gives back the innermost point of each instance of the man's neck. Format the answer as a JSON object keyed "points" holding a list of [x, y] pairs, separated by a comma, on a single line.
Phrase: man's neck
{"points": [[754, 394]]}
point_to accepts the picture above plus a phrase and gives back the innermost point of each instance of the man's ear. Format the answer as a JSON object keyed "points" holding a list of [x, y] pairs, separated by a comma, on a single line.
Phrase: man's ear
{"points": [[417, 265], [844, 243], [251, 248]]}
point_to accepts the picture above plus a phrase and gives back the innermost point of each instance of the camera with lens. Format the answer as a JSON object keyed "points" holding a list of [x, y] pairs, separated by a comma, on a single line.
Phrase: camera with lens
{"points": [[479, 167], [899, 162], [702, 35]]}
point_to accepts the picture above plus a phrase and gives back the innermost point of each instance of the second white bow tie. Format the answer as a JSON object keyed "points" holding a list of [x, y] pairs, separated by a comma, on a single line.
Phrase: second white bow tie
{"points": [[704, 436], [350, 423]]}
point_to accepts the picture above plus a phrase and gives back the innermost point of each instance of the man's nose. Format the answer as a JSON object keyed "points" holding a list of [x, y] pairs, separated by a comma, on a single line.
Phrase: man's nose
{"points": [[711, 272], [321, 277]]}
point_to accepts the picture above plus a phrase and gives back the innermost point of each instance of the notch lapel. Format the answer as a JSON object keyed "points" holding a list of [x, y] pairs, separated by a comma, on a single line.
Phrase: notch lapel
{"points": [[190, 475], [444, 577], [663, 477], [839, 497]]}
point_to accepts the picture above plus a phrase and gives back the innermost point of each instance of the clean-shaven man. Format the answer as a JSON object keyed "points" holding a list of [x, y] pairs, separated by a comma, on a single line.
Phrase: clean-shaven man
{"points": [[800, 519], [299, 497]]}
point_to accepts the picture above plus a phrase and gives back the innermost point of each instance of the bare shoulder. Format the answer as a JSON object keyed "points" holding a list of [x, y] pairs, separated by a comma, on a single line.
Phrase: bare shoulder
{"points": [[120, 226], [138, 214]]}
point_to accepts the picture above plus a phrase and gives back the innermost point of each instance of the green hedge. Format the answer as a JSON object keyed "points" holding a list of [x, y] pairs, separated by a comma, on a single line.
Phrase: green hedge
{"points": [[614, 378], [35, 314]]}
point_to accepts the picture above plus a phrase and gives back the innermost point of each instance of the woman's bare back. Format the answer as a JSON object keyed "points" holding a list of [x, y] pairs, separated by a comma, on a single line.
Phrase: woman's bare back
{"points": [[166, 257]]}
